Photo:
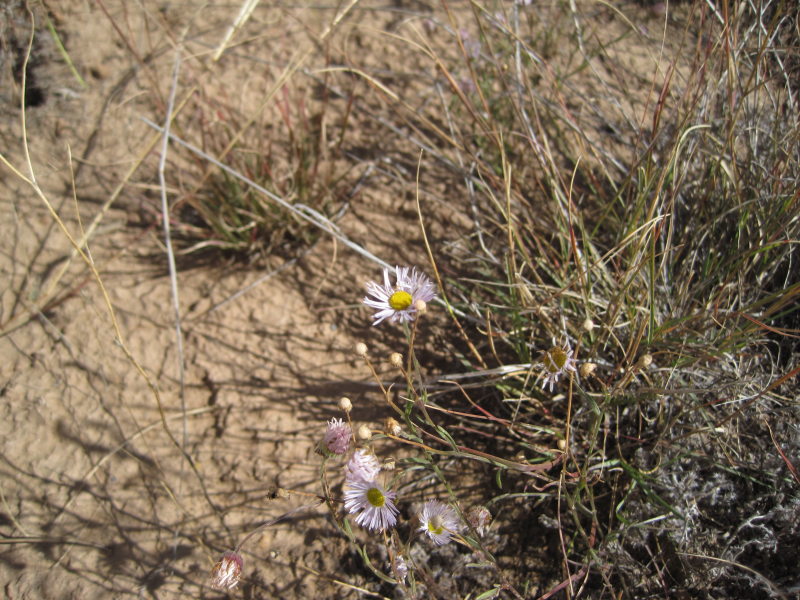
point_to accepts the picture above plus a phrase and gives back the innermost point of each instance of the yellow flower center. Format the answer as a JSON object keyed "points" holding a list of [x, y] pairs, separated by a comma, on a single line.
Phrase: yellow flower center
{"points": [[436, 525], [375, 497], [400, 300], [555, 359]]}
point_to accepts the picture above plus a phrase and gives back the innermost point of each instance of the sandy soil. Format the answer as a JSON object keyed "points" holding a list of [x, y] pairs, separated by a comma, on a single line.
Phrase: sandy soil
{"points": [[99, 499]]}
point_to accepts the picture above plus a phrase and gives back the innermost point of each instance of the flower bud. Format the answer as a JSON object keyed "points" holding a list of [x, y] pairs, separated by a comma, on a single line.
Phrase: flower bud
{"points": [[345, 404], [396, 359], [364, 432], [588, 325], [361, 349], [587, 369], [421, 306], [645, 360]]}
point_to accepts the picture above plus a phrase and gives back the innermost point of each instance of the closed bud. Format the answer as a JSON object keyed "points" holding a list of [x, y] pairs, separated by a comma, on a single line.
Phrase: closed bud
{"points": [[396, 359], [361, 349], [364, 432], [345, 404], [421, 306], [645, 360], [587, 369], [588, 325]]}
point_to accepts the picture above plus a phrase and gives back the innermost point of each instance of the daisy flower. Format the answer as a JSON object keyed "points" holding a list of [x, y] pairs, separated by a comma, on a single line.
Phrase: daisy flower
{"points": [[373, 506], [398, 302], [337, 436], [362, 466], [557, 362], [225, 574], [439, 521]]}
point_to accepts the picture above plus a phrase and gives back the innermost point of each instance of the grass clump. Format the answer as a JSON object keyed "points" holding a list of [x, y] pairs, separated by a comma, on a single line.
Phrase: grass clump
{"points": [[649, 221], [285, 152], [615, 385], [251, 153]]}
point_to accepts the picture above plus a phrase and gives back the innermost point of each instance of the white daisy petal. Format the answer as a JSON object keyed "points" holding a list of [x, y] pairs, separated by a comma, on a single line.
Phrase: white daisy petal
{"points": [[438, 521], [398, 302], [362, 466], [557, 361], [372, 505]]}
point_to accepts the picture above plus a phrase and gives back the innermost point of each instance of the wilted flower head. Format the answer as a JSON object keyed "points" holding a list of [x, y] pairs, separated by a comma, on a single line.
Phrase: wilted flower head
{"points": [[439, 521], [399, 568], [557, 361], [480, 518], [226, 573], [362, 466], [396, 302], [337, 436], [391, 426], [373, 506]]}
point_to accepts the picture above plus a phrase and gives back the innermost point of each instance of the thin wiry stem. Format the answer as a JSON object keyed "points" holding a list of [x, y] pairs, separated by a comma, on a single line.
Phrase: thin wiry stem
{"points": [[173, 271]]}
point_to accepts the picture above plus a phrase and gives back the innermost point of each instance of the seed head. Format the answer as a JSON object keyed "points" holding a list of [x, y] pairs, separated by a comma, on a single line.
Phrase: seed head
{"points": [[645, 360], [587, 369], [396, 359]]}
